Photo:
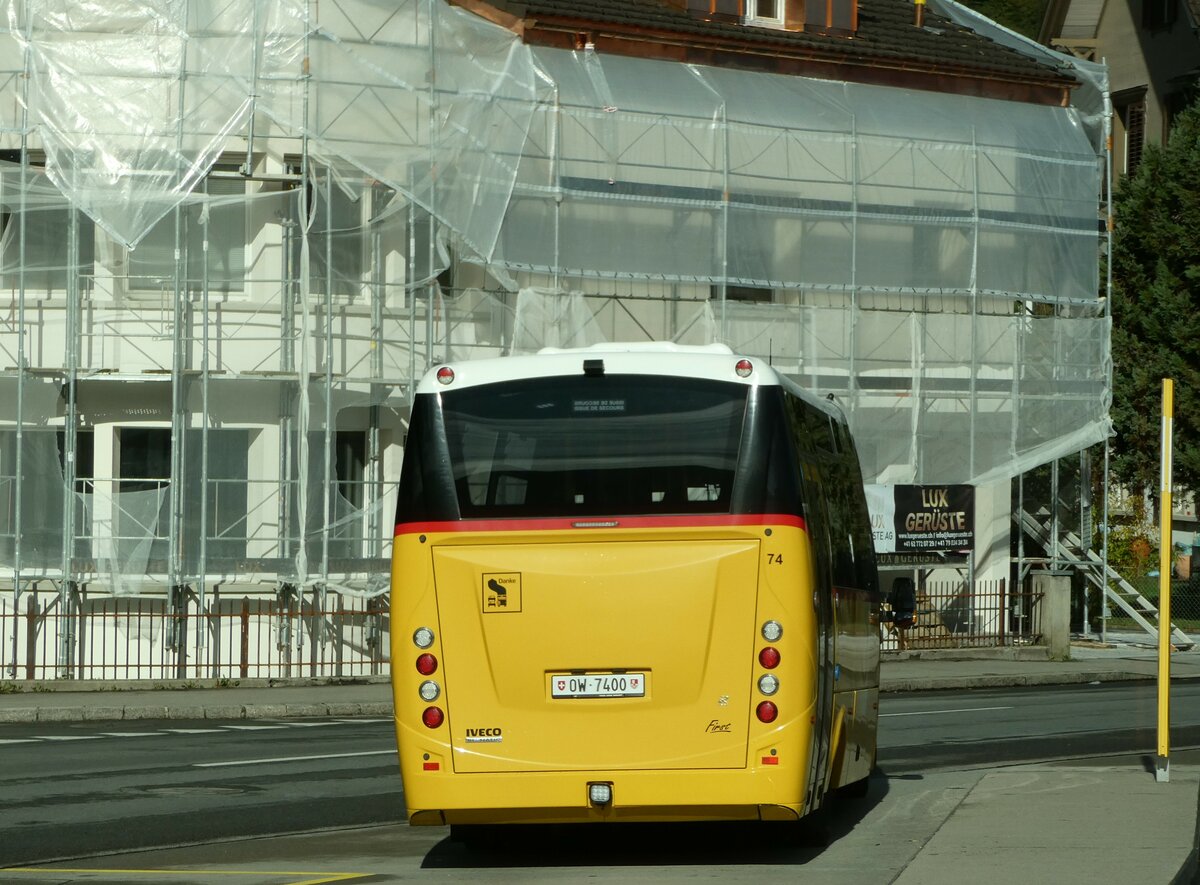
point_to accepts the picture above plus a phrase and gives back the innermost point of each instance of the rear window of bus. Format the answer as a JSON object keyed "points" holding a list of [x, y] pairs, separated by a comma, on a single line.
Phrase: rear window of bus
{"points": [[617, 444]]}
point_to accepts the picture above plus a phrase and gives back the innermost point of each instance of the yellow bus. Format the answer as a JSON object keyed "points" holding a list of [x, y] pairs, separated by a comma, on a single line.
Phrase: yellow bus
{"points": [[631, 582]]}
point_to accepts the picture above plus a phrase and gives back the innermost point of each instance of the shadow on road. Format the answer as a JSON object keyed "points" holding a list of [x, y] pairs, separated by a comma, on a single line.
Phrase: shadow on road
{"points": [[670, 844]]}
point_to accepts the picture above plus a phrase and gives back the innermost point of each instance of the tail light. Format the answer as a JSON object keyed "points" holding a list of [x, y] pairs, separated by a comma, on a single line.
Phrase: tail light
{"points": [[766, 712], [769, 657], [427, 664], [433, 717]]}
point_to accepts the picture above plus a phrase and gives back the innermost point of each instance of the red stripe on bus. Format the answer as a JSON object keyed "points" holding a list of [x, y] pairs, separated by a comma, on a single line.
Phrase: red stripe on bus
{"points": [[562, 523]]}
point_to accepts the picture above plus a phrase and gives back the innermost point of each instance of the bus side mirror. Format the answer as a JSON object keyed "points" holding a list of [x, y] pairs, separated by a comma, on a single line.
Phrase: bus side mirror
{"points": [[903, 602]]}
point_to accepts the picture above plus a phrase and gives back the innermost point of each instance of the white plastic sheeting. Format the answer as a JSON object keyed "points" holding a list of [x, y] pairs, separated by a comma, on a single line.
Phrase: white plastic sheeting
{"points": [[260, 202]]}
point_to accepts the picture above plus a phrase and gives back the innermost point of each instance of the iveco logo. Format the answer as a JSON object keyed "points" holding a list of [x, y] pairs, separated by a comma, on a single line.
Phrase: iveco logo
{"points": [[484, 736]]}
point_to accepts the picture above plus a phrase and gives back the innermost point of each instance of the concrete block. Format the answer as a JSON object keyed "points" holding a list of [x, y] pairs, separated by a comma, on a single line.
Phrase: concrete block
{"points": [[154, 711], [223, 711], [264, 711]]}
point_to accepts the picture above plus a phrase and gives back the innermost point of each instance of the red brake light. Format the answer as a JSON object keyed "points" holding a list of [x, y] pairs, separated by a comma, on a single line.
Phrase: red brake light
{"points": [[766, 711], [769, 657], [426, 664], [433, 717], [445, 375], [743, 368]]}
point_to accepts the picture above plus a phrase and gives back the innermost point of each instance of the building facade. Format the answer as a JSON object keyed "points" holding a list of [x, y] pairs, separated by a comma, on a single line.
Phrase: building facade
{"points": [[234, 237]]}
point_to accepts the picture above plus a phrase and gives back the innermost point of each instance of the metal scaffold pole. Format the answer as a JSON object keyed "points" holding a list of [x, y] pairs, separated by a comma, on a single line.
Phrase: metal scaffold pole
{"points": [[177, 604], [18, 479], [70, 435]]}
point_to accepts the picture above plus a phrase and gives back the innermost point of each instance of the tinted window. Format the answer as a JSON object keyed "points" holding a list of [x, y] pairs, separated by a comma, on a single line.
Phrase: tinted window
{"points": [[616, 444]]}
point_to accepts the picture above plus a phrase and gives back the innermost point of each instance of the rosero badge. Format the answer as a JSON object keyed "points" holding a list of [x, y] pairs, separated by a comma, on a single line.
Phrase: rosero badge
{"points": [[501, 592]]}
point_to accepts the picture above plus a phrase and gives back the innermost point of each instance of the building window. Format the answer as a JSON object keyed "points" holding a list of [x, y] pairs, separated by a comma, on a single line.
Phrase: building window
{"points": [[1159, 13], [47, 219], [141, 507], [350, 466], [743, 294], [1132, 114], [764, 12], [337, 236], [221, 222]]}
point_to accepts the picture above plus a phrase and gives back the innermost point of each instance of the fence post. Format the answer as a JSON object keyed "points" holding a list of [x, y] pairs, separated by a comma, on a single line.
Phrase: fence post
{"points": [[244, 669], [66, 619], [179, 618], [31, 632], [373, 631]]}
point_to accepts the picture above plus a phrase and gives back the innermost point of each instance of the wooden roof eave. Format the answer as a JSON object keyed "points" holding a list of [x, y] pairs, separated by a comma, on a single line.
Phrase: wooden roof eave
{"points": [[956, 81], [567, 34]]}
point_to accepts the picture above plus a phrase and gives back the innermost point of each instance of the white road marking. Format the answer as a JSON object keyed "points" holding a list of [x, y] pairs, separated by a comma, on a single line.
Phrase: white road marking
{"points": [[253, 727], [938, 712], [162, 731], [310, 724], [68, 737], [293, 759]]}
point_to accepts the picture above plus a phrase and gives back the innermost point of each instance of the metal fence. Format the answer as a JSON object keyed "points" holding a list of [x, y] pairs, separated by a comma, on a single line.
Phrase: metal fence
{"points": [[102, 637], [955, 614], [327, 634]]}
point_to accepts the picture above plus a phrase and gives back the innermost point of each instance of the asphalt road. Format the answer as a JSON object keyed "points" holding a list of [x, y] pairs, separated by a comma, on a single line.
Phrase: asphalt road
{"points": [[75, 790], [986, 728]]}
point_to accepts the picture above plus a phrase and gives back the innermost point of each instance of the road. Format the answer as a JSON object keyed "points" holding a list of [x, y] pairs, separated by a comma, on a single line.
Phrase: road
{"points": [[986, 728], [74, 790]]}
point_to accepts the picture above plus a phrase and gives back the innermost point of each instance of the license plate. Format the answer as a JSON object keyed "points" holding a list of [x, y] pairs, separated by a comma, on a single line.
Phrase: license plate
{"points": [[598, 685]]}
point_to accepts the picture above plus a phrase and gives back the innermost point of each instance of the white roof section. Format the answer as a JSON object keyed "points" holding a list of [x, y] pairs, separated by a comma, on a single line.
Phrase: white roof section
{"points": [[715, 362]]}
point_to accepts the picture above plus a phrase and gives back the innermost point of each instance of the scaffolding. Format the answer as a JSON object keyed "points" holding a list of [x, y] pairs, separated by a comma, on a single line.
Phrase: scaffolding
{"points": [[232, 235]]}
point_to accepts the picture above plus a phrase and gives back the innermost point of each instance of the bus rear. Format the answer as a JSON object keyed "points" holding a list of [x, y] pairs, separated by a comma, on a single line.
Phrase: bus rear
{"points": [[603, 597]]}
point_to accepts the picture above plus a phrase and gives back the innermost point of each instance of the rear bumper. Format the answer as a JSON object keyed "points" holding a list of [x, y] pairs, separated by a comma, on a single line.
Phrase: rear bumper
{"points": [[653, 814], [767, 792]]}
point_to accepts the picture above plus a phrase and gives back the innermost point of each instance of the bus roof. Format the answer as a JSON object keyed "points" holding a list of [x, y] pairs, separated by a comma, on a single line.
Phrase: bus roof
{"points": [[713, 361]]}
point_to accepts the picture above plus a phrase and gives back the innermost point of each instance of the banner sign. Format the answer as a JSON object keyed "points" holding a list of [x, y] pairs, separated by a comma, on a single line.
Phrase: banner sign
{"points": [[922, 519]]}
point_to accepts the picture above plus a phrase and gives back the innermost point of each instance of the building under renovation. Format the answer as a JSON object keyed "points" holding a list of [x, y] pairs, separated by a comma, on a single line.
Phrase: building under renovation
{"points": [[234, 235]]}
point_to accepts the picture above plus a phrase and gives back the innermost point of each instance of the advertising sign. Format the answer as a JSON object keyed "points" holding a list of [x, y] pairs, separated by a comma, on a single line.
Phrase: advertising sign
{"points": [[932, 520]]}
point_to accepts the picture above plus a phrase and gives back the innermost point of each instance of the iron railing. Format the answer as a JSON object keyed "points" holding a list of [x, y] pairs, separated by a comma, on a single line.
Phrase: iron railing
{"points": [[314, 634], [955, 614]]}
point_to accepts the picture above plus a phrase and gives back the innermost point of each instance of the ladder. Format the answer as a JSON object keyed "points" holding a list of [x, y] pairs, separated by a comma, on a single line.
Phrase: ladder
{"points": [[1115, 588]]}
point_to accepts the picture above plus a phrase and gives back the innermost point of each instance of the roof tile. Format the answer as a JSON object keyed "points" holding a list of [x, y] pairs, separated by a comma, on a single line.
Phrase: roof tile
{"points": [[886, 36]]}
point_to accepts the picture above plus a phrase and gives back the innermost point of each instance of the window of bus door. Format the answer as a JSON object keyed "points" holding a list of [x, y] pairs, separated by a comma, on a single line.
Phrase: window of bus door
{"points": [[617, 444]]}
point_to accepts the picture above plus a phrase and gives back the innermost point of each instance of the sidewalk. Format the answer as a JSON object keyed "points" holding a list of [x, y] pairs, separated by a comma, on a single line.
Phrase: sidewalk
{"points": [[1124, 658]]}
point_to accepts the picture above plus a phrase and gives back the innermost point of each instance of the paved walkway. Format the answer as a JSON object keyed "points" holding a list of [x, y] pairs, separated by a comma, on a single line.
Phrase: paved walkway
{"points": [[1032, 824]]}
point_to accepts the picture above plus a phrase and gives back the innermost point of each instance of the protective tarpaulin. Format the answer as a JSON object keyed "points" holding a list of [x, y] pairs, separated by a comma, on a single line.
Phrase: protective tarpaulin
{"points": [[233, 236]]}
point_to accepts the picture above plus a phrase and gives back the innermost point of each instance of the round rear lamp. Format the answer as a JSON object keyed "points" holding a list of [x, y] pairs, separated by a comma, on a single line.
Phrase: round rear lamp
{"points": [[743, 368], [430, 690], [445, 375], [433, 717], [767, 684], [769, 658], [766, 712], [423, 637], [772, 631], [426, 664]]}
